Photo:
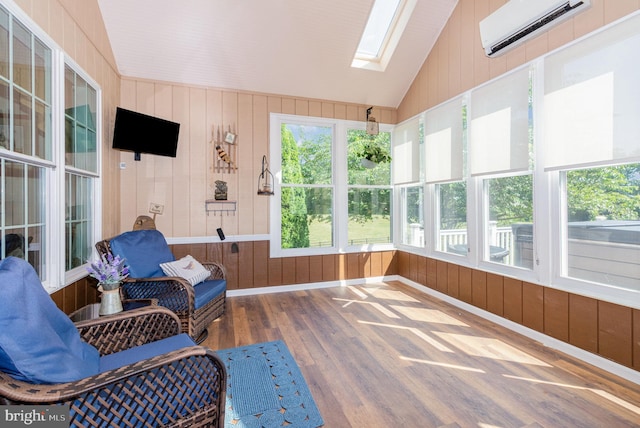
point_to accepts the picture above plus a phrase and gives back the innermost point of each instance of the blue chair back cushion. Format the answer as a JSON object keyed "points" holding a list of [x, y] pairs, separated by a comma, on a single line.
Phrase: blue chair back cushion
{"points": [[38, 342], [143, 250], [206, 291]]}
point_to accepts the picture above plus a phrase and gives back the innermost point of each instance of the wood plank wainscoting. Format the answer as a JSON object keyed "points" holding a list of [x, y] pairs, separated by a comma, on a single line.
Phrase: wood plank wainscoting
{"points": [[602, 328]]}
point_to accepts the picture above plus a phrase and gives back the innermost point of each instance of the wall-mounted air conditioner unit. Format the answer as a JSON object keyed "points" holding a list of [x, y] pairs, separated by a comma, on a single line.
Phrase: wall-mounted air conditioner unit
{"points": [[519, 20]]}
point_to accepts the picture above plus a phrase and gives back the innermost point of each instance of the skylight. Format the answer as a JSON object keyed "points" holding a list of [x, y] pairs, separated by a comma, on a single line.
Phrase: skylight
{"points": [[387, 21]]}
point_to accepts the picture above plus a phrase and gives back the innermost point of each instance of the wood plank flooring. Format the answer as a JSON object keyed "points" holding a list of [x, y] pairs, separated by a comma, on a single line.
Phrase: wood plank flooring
{"points": [[387, 355]]}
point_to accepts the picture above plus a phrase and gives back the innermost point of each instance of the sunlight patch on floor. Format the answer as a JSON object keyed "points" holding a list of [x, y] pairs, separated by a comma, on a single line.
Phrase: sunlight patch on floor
{"points": [[381, 308], [489, 348], [428, 315], [383, 293], [422, 335], [434, 363], [357, 292], [604, 394]]}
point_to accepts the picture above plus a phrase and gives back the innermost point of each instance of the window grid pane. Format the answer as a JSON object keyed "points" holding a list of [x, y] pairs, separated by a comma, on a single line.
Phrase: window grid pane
{"points": [[509, 232], [603, 229], [78, 222], [80, 129], [307, 190], [413, 218], [369, 190], [452, 218], [22, 228]]}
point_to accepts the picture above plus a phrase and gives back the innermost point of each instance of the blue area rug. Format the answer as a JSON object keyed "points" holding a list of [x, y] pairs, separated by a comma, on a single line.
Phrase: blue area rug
{"points": [[265, 388]]}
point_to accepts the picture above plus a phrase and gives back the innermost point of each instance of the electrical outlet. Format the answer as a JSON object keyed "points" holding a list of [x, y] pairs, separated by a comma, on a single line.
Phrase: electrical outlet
{"points": [[156, 208]]}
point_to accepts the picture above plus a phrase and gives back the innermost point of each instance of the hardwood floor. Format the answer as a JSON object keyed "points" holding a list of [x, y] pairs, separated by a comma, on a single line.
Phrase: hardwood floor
{"points": [[387, 355]]}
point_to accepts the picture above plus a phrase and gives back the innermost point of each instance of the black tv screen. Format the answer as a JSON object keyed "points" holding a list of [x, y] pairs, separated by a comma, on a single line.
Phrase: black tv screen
{"points": [[141, 133]]}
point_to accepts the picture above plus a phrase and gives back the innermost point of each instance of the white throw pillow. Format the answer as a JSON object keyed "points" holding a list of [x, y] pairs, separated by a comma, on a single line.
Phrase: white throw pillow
{"points": [[187, 268]]}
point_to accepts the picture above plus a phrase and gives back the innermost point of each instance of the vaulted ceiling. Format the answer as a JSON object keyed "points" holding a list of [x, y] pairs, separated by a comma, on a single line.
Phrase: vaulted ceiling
{"points": [[299, 48]]}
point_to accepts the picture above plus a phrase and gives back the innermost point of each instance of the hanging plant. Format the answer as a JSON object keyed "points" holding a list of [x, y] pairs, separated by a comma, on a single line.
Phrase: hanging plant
{"points": [[372, 152]]}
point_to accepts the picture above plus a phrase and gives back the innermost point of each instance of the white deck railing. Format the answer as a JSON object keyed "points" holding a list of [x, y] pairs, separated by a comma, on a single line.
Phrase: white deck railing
{"points": [[500, 237]]}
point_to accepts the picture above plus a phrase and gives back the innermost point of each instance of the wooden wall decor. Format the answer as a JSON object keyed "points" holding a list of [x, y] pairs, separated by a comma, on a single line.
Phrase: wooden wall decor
{"points": [[224, 150]]}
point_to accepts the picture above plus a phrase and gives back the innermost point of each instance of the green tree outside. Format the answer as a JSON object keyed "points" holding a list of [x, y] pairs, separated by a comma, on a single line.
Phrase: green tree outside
{"points": [[294, 228]]}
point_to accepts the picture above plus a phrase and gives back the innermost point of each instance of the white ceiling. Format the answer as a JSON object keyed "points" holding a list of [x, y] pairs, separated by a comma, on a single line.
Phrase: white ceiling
{"points": [[300, 48]]}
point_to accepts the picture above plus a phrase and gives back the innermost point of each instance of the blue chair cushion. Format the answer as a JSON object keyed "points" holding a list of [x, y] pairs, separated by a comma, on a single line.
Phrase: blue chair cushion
{"points": [[146, 351], [206, 291], [143, 250], [38, 342]]}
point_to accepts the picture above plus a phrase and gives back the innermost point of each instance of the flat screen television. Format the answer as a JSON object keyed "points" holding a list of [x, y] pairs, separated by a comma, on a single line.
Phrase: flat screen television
{"points": [[141, 133]]}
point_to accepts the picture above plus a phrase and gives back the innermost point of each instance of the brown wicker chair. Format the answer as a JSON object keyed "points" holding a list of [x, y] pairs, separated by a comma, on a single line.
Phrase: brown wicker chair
{"points": [[185, 387], [176, 294]]}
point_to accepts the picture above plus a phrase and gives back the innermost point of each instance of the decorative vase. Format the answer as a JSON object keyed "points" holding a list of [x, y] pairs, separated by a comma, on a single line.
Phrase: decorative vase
{"points": [[367, 163], [110, 302]]}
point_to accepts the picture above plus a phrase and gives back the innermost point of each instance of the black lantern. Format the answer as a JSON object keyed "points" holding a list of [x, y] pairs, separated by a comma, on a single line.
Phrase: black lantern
{"points": [[372, 125], [265, 179]]}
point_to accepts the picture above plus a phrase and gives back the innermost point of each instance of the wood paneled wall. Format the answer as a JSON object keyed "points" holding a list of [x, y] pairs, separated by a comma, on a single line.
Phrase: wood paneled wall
{"points": [[606, 329], [457, 61], [183, 184], [250, 267]]}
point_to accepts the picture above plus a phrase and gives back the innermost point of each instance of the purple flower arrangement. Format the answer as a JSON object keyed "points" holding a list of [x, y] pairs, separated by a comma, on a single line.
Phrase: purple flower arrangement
{"points": [[109, 271]]}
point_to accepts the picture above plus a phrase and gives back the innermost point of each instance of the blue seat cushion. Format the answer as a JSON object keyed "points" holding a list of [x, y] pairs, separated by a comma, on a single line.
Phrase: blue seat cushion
{"points": [[146, 351], [206, 291], [143, 250], [38, 342]]}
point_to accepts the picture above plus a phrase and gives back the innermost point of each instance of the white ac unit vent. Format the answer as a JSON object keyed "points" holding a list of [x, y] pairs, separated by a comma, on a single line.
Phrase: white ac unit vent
{"points": [[519, 20]]}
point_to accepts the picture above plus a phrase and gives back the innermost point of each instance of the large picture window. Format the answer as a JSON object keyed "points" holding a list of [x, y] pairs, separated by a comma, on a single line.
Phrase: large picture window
{"points": [[325, 199]]}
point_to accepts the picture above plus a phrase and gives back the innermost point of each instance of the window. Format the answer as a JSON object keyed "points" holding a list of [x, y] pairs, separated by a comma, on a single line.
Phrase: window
{"points": [[445, 159], [603, 225], [50, 165], [81, 160], [501, 152], [510, 228], [25, 132], [412, 215], [452, 218], [591, 122], [325, 199], [386, 23], [409, 174], [369, 191], [307, 189]]}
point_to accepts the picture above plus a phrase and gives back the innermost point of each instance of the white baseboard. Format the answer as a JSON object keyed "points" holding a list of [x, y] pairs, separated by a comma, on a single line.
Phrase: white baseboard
{"points": [[586, 356]]}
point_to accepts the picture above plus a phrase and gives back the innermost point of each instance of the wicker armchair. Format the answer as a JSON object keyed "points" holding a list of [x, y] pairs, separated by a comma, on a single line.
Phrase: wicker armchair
{"points": [[174, 293], [184, 387]]}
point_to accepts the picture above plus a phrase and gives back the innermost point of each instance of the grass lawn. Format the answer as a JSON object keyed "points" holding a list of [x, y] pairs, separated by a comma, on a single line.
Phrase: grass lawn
{"points": [[377, 230]]}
